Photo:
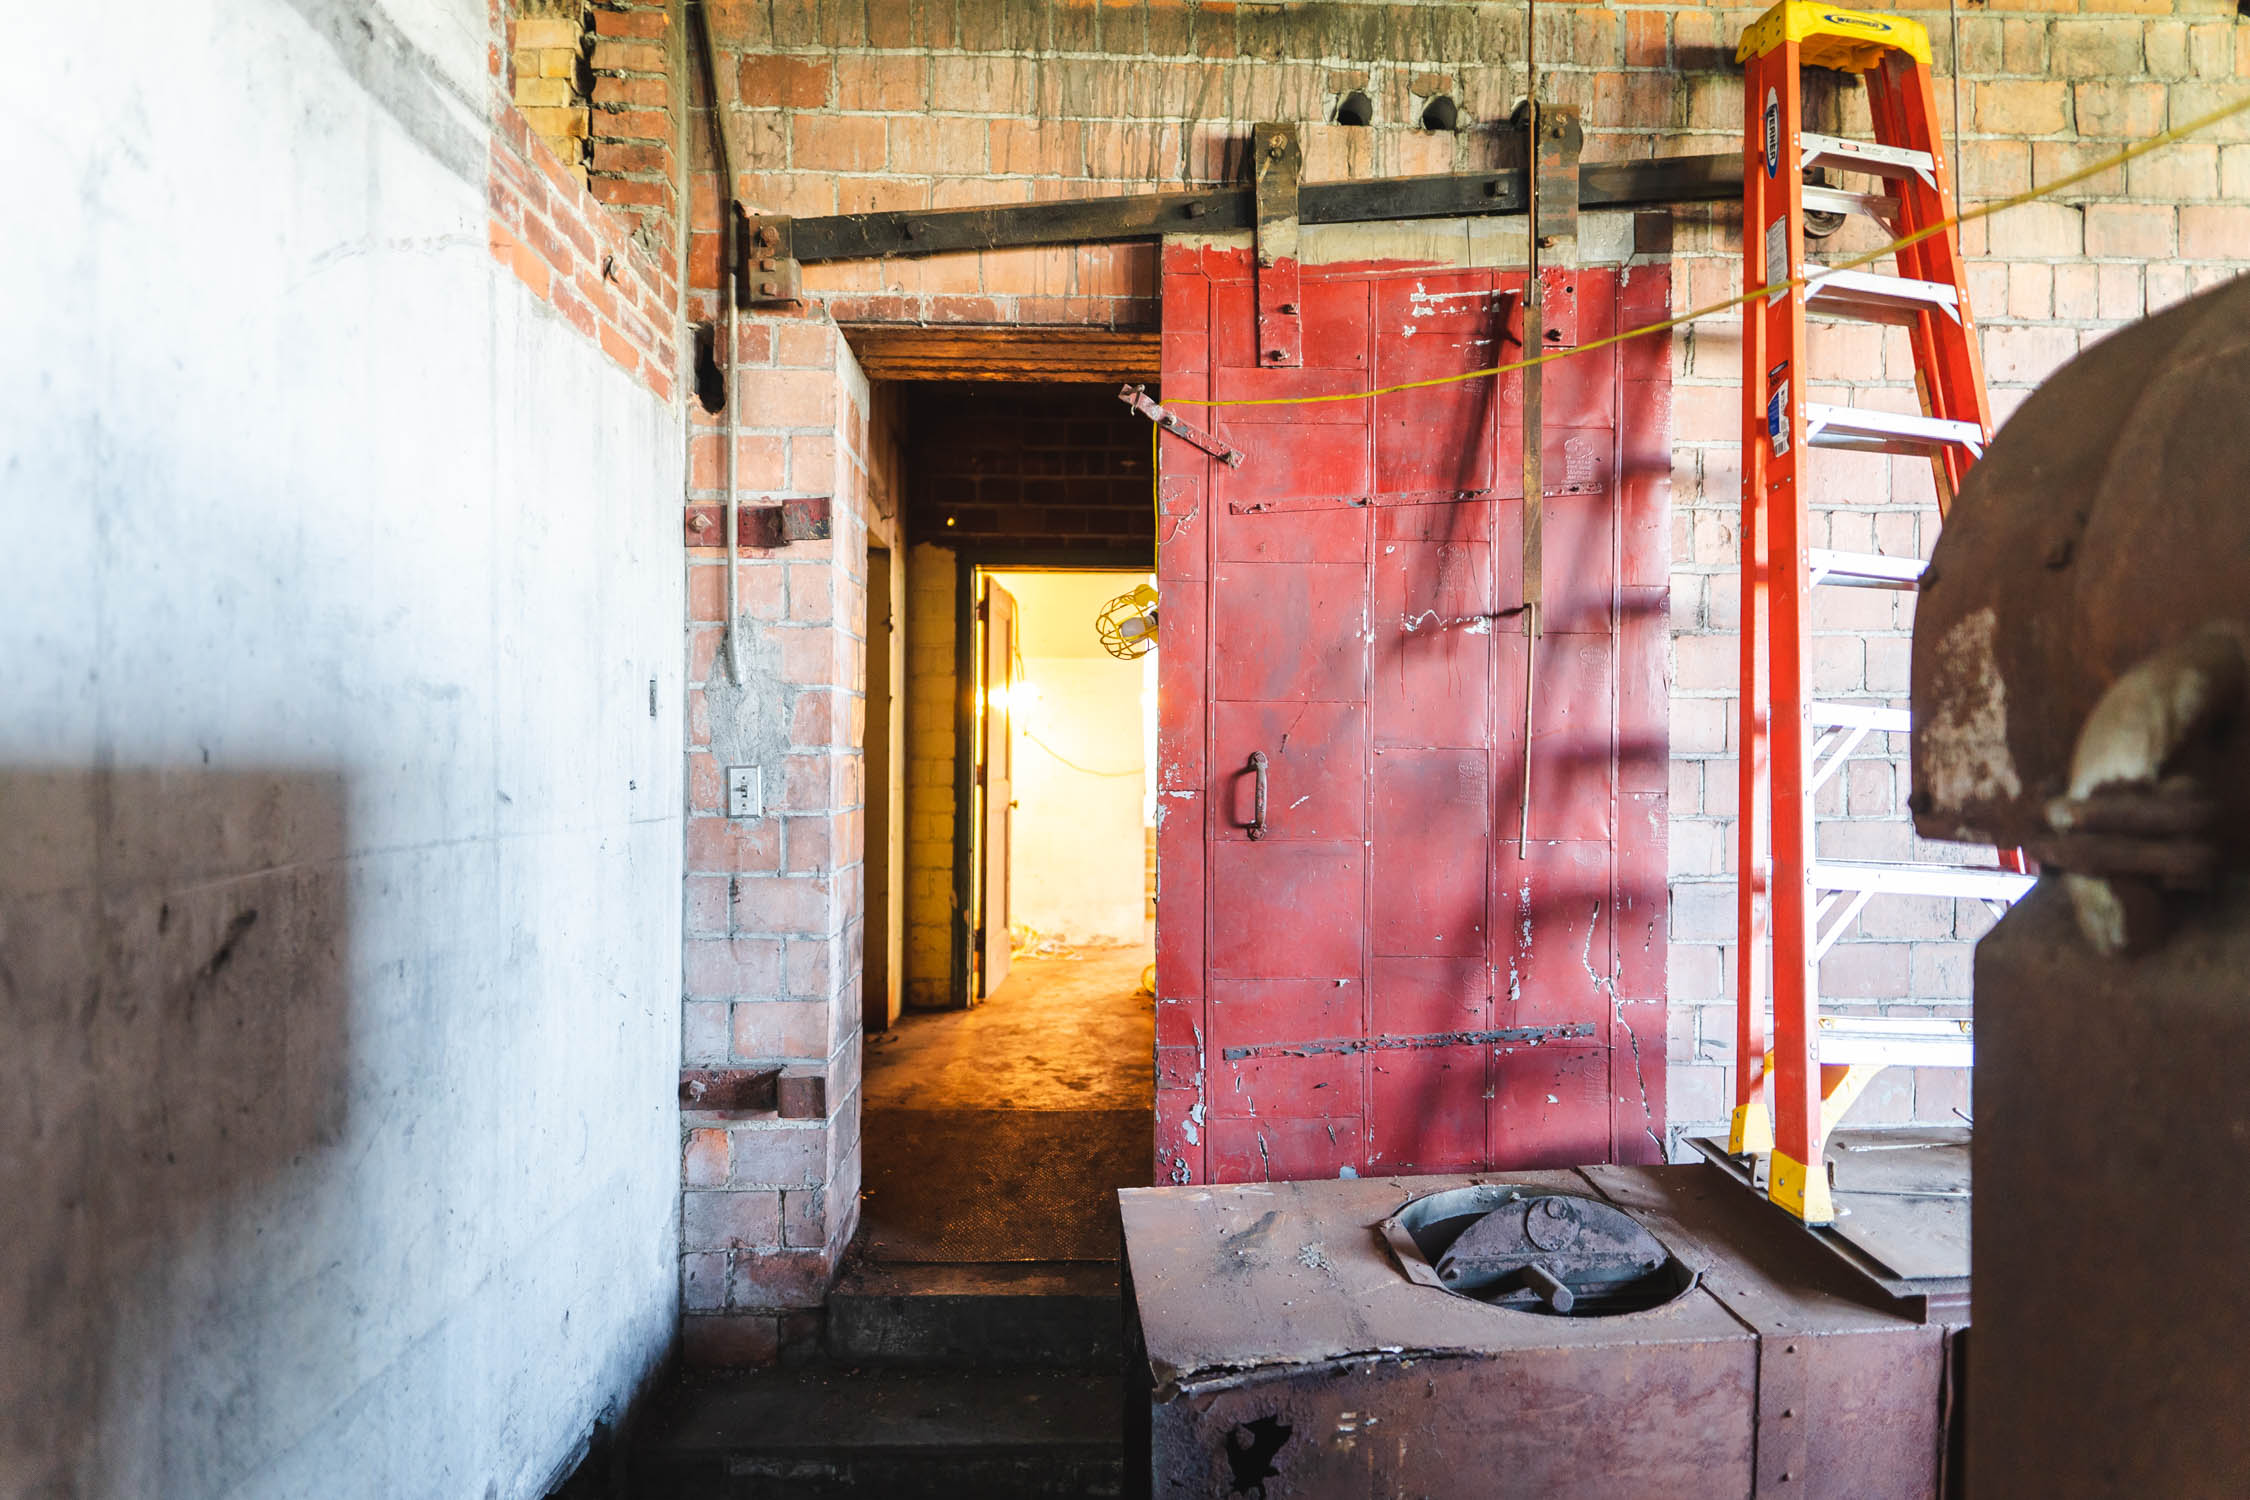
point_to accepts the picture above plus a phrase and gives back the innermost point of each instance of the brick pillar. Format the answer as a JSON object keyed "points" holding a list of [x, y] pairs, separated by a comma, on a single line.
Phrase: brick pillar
{"points": [[629, 129], [774, 902], [547, 77]]}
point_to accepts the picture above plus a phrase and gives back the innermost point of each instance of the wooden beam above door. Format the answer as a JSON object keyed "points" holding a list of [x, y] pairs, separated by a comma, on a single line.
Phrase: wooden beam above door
{"points": [[889, 351]]}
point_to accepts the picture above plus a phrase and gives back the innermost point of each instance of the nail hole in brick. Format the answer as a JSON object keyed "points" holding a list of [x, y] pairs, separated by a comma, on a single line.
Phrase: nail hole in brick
{"points": [[1355, 108], [710, 380], [1441, 113]]}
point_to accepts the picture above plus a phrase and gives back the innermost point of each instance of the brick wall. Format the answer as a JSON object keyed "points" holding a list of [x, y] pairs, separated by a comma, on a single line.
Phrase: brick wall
{"points": [[775, 902], [614, 277], [932, 588], [847, 107], [1056, 467]]}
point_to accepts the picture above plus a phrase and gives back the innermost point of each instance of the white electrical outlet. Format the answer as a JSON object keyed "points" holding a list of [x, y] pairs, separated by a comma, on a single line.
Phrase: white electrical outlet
{"points": [[745, 792]]}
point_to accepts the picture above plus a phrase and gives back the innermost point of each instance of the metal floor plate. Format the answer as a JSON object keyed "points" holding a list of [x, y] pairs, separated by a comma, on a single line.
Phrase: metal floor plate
{"points": [[1904, 1198]]}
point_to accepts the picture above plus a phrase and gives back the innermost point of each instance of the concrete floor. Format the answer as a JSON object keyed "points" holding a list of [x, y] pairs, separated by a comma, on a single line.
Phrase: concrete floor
{"points": [[1060, 1034], [1003, 1133]]}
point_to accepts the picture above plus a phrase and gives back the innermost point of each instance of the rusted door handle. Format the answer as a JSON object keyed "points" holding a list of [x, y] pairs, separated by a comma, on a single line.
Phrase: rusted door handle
{"points": [[1258, 798]]}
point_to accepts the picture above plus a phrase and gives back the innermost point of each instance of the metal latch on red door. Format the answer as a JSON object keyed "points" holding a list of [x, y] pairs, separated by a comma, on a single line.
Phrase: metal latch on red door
{"points": [[1277, 164], [1137, 397]]}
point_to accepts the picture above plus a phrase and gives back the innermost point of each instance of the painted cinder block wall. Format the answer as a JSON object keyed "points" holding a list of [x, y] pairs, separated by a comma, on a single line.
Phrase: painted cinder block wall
{"points": [[942, 103], [340, 784]]}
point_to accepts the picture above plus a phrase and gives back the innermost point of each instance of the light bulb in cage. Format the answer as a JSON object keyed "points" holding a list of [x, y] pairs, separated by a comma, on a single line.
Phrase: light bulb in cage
{"points": [[1127, 624]]}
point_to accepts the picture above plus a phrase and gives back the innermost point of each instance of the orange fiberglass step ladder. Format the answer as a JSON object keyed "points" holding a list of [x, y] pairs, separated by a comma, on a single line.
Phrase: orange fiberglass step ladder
{"points": [[1789, 744]]}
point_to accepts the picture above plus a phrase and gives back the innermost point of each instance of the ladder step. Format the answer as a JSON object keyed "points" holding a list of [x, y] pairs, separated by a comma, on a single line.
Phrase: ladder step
{"points": [[1880, 207], [1858, 716], [1890, 878], [1896, 1041], [1862, 430], [1864, 570], [1874, 298], [1866, 156]]}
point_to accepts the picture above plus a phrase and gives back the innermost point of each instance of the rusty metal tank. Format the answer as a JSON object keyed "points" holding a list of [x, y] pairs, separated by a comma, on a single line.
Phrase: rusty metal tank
{"points": [[1391, 1337], [2078, 686]]}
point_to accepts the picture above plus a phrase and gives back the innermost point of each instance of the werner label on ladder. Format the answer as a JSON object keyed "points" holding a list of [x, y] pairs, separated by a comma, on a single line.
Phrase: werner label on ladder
{"points": [[1792, 906]]}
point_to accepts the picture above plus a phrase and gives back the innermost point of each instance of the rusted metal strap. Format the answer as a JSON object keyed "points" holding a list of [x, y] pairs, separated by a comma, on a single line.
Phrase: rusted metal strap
{"points": [[1655, 183], [1277, 164], [1137, 397], [1344, 1047], [1556, 137]]}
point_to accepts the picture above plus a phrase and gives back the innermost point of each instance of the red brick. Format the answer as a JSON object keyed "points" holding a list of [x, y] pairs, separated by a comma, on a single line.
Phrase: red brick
{"points": [[729, 1219], [779, 1278], [764, 1030], [883, 82], [758, 463], [628, 57], [709, 911], [574, 308], [633, 124], [2138, 231], [804, 1218], [632, 156], [2119, 111], [788, 398], [785, 82], [652, 93], [2021, 107], [808, 842], [809, 976], [1043, 148], [837, 143], [812, 720], [782, 903], [2215, 232], [620, 348], [704, 1159], [629, 23], [706, 787], [781, 1155], [805, 345], [624, 193], [741, 967], [734, 845]]}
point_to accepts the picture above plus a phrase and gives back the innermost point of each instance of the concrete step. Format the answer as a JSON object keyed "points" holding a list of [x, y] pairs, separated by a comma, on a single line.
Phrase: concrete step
{"points": [[1056, 1315], [903, 1434]]}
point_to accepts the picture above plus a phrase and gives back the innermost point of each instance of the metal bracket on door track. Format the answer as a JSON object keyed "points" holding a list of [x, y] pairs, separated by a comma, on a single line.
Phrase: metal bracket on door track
{"points": [[770, 275], [1277, 164], [1137, 397], [1561, 139]]}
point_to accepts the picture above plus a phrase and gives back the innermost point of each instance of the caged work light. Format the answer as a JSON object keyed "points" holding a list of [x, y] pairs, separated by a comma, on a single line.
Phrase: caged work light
{"points": [[1127, 624]]}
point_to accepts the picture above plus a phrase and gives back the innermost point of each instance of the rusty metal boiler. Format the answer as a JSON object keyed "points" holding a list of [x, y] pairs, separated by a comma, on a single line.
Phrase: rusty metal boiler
{"points": [[2079, 684], [1609, 1331]]}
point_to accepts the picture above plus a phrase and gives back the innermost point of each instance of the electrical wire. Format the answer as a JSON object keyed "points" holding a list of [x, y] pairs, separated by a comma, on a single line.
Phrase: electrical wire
{"points": [[1074, 765], [1954, 221]]}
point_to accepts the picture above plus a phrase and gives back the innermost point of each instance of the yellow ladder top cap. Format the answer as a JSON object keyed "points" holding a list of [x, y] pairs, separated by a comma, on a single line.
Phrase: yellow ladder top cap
{"points": [[1831, 37]]}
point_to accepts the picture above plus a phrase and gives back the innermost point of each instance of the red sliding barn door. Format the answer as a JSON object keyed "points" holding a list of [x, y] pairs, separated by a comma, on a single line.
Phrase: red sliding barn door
{"points": [[1373, 979]]}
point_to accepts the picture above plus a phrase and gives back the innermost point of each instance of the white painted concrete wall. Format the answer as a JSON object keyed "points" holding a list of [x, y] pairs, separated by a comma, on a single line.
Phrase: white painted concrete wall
{"points": [[339, 849], [1077, 865]]}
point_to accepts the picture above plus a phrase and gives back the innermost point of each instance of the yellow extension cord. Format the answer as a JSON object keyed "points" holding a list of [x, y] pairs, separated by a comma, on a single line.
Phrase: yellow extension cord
{"points": [[2033, 195]]}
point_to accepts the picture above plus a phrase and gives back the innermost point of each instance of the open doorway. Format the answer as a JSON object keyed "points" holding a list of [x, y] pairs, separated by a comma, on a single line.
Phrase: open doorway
{"points": [[1015, 1090], [1064, 774], [1039, 1097]]}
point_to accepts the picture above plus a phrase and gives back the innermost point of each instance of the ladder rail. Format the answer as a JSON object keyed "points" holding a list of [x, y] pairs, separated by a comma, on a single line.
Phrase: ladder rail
{"points": [[1792, 908]]}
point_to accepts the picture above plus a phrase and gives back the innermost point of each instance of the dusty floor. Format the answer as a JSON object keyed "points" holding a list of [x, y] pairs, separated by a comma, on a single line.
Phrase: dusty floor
{"points": [[1002, 1133], [1061, 1033]]}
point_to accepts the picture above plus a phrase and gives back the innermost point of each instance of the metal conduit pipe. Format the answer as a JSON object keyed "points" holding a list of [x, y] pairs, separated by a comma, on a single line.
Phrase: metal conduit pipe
{"points": [[708, 57]]}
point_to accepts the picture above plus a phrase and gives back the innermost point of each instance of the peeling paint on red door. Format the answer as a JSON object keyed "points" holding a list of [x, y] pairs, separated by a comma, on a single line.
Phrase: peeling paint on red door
{"points": [[1378, 981]]}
